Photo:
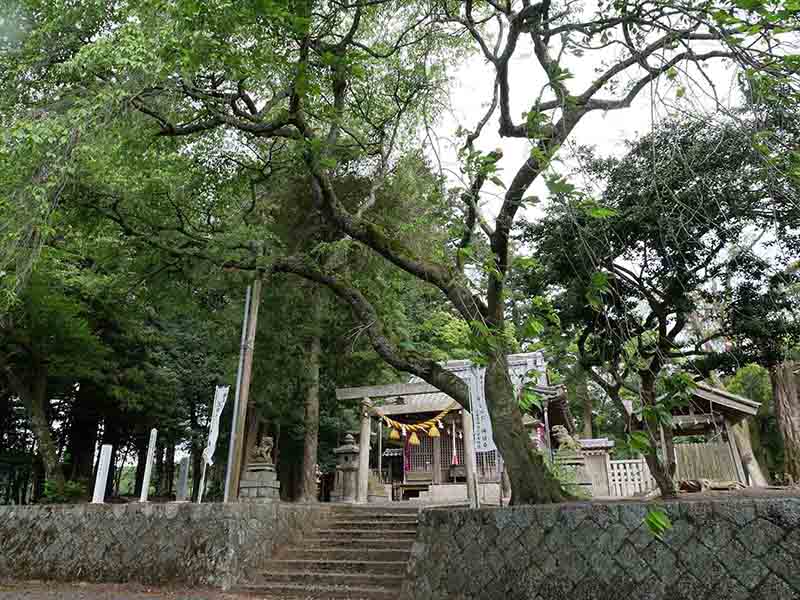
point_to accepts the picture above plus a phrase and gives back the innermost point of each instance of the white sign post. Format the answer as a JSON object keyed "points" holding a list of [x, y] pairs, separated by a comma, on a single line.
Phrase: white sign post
{"points": [[220, 397], [148, 467], [102, 475]]}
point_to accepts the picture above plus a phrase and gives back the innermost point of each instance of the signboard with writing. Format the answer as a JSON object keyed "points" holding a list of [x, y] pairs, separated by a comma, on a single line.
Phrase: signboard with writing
{"points": [[481, 420]]}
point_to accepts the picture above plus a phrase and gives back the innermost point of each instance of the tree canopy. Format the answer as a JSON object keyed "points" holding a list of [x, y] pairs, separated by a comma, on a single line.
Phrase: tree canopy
{"points": [[225, 140]]}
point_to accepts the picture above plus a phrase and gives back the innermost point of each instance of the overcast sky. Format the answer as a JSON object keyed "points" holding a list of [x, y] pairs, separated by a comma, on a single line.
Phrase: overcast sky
{"points": [[471, 93]]}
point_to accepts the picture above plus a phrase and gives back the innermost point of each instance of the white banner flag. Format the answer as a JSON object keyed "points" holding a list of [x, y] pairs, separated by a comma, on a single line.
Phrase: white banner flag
{"points": [[220, 397], [481, 421]]}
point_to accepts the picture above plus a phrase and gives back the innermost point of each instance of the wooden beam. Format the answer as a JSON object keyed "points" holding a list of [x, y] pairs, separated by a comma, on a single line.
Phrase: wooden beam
{"points": [[385, 391], [735, 456], [719, 399], [244, 394], [692, 421]]}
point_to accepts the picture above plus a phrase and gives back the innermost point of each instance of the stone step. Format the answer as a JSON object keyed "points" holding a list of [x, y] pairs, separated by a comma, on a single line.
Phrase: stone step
{"points": [[411, 511], [393, 506], [408, 524], [303, 591], [375, 534], [355, 542], [326, 578], [325, 564], [320, 553], [374, 516]]}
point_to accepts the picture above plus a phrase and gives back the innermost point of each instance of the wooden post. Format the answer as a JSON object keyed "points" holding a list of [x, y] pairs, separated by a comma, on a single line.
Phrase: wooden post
{"points": [[437, 460], [735, 456], [470, 463], [380, 451], [363, 455], [237, 391], [244, 395]]}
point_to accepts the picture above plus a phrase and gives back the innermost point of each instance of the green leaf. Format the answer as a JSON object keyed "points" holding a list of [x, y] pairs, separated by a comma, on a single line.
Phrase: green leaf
{"points": [[559, 185], [658, 522], [639, 441], [532, 328], [529, 399], [601, 212], [497, 181]]}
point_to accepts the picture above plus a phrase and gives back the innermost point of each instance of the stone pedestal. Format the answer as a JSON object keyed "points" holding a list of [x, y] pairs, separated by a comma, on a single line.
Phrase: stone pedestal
{"points": [[377, 492], [259, 483], [345, 488]]}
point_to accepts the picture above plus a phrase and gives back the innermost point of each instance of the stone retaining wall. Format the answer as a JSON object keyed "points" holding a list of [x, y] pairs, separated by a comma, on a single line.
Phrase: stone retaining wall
{"points": [[747, 549], [208, 544]]}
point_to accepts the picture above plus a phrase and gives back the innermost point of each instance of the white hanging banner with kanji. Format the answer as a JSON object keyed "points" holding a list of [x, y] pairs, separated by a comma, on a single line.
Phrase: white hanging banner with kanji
{"points": [[220, 397], [481, 420]]}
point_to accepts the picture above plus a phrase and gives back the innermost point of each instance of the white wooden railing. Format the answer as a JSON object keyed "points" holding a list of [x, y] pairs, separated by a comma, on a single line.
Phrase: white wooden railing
{"points": [[629, 477]]}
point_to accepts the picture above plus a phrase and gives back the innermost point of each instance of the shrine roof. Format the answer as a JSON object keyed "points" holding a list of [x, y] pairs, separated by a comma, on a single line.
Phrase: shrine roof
{"points": [[413, 404]]}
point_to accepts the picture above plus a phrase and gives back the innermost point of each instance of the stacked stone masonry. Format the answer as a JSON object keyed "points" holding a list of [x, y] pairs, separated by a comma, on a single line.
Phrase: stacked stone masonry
{"points": [[259, 485], [207, 544], [746, 549]]}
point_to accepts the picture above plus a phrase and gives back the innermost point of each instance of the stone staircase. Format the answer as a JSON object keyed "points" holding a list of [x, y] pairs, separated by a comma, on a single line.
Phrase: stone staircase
{"points": [[361, 553]]}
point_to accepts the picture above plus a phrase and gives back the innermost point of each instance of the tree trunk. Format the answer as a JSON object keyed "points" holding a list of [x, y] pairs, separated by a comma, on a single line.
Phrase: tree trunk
{"points": [[158, 467], [112, 435], [252, 426], [83, 434], [531, 480], [582, 392], [308, 492], [34, 396], [787, 413], [196, 450], [662, 470], [168, 483], [142, 441], [741, 433]]}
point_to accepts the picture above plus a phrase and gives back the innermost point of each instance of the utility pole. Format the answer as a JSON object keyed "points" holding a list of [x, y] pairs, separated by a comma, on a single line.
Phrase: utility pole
{"points": [[236, 391], [240, 416]]}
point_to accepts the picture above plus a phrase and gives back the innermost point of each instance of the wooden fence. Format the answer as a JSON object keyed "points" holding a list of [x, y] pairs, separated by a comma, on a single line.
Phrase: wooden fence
{"points": [[629, 477], [705, 461]]}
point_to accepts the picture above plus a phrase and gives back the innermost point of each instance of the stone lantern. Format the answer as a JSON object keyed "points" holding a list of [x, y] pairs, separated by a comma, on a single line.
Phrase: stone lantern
{"points": [[345, 488]]}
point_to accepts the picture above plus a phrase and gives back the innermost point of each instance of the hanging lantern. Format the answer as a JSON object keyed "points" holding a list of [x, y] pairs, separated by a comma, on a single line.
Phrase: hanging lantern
{"points": [[404, 431], [441, 425], [413, 440], [433, 432], [394, 434]]}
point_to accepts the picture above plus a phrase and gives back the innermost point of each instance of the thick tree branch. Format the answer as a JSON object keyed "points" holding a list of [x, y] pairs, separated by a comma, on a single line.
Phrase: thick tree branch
{"points": [[425, 368]]}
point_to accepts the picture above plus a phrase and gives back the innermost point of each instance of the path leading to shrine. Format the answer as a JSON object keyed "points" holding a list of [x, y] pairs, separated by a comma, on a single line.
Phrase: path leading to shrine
{"points": [[359, 553], [54, 590]]}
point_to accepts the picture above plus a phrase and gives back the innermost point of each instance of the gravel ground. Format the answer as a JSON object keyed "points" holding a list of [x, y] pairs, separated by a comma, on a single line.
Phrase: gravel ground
{"points": [[42, 590]]}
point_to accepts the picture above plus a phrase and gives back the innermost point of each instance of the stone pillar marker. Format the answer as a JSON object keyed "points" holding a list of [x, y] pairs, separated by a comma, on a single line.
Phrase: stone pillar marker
{"points": [[363, 455], [183, 481], [102, 475], [470, 462], [148, 467]]}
